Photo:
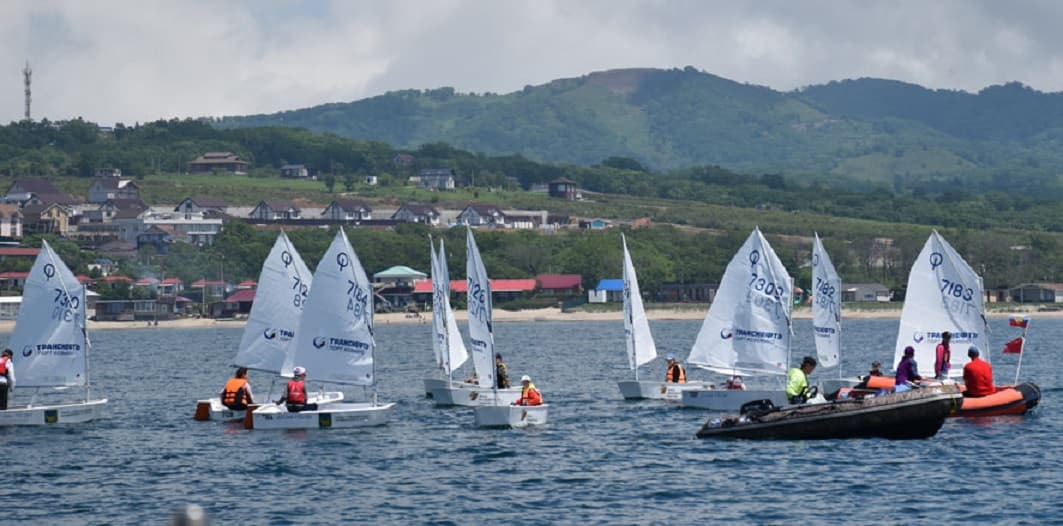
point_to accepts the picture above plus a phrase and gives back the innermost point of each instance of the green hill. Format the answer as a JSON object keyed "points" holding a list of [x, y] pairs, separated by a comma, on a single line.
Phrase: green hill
{"points": [[870, 131]]}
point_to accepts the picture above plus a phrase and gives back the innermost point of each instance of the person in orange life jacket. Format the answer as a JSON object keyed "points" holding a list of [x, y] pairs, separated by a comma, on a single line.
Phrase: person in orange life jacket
{"points": [[7, 377], [676, 374], [529, 395], [295, 397], [943, 356], [237, 392], [977, 376]]}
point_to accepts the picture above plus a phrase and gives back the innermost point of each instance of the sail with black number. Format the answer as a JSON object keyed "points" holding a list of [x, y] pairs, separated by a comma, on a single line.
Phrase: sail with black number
{"points": [[826, 306], [49, 342], [747, 328], [335, 337], [944, 294], [481, 332], [269, 339]]}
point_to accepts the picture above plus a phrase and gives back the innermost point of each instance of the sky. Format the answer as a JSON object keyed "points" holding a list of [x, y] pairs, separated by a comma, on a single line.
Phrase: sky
{"points": [[140, 60]]}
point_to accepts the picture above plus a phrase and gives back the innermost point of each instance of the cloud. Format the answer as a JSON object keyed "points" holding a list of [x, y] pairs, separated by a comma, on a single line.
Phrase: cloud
{"points": [[124, 61]]}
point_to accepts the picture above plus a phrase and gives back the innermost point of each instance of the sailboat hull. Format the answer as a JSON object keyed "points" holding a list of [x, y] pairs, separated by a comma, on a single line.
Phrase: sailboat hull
{"points": [[510, 415], [729, 399], [433, 384], [45, 415], [339, 415], [213, 409], [469, 395], [650, 390]]}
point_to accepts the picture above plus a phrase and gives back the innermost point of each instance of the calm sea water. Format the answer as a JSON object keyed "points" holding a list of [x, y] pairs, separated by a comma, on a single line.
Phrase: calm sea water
{"points": [[601, 459]]}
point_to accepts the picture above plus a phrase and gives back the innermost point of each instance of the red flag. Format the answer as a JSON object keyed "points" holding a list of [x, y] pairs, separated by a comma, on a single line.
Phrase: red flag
{"points": [[1014, 346]]}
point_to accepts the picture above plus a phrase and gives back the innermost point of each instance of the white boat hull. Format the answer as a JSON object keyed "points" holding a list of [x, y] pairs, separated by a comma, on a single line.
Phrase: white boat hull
{"points": [[510, 415], [646, 389], [730, 399], [213, 409], [338, 415], [434, 384], [43, 415], [470, 395]]}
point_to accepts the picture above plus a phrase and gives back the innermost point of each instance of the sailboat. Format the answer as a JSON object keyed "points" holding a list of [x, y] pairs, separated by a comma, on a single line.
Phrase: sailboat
{"points": [[269, 337], [945, 294], [51, 345], [827, 315], [641, 348], [335, 343], [450, 349], [481, 336], [747, 329]]}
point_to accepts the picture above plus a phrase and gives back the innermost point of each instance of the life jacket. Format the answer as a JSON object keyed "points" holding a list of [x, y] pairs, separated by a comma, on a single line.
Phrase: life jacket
{"points": [[3, 365], [530, 396], [234, 392], [670, 378], [296, 392]]}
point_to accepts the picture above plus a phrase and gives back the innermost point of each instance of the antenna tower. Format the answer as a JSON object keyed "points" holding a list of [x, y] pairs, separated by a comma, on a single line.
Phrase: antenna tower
{"points": [[27, 75]]}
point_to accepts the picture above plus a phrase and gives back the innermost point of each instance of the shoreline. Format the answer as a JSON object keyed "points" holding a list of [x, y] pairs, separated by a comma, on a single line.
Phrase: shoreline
{"points": [[545, 314]]}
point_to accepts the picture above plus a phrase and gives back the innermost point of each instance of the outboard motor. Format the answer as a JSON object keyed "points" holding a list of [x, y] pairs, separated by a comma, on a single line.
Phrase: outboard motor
{"points": [[757, 408]]}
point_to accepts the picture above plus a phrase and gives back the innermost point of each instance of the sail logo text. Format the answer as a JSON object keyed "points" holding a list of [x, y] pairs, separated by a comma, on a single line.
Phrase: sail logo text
{"points": [[824, 331], [56, 349], [345, 345], [744, 334]]}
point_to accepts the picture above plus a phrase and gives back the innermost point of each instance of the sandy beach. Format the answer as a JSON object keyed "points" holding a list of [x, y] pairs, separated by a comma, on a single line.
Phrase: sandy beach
{"points": [[547, 314]]}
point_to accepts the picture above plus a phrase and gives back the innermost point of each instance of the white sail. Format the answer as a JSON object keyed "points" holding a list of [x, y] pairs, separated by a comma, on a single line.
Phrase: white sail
{"points": [[481, 335], [640, 346], [335, 337], [439, 316], [269, 340], [826, 306], [747, 328], [455, 353], [49, 342], [944, 294]]}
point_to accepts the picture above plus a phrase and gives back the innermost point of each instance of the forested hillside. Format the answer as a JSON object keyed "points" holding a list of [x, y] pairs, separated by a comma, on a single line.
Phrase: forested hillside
{"points": [[859, 133]]}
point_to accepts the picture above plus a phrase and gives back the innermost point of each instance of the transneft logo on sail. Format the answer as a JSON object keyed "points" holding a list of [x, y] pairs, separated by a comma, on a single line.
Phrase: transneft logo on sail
{"points": [[341, 344], [52, 349]]}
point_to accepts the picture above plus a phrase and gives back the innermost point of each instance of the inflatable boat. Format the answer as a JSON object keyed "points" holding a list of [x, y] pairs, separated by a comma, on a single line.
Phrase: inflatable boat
{"points": [[1007, 400], [918, 413]]}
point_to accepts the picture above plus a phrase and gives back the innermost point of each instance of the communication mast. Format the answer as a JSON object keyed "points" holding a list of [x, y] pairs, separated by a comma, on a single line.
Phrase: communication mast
{"points": [[27, 75]]}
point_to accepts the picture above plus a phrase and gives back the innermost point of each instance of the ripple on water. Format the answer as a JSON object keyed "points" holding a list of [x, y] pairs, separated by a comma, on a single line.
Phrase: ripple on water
{"points": [[601, 459]]}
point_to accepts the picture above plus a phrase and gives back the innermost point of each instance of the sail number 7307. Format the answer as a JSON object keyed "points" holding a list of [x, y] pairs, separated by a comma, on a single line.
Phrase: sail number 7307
{"points": [[65, 306]]}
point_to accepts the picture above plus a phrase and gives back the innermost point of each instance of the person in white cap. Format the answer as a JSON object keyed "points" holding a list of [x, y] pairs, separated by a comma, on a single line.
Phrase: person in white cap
{"points": [[676, 374], [529, 395], [295, 397]]}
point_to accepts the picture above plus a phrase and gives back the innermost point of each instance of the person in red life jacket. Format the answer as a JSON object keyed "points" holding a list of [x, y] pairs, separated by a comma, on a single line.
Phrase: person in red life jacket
{"points": [[943, 356], [735, 383], [676, 374], [295, 397], [237, 392], [529, 395], [977, 376], [7, 377]]}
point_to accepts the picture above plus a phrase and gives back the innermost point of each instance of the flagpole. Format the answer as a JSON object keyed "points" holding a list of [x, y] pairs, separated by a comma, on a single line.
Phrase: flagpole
{"points": [[1022, 351]]}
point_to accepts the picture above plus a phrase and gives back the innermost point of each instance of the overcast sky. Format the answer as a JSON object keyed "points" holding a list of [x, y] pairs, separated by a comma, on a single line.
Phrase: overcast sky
{"points": [[139, 60]]}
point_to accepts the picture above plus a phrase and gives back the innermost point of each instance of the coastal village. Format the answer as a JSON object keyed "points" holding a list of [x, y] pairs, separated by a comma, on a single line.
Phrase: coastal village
{"points": [[116, 222]]}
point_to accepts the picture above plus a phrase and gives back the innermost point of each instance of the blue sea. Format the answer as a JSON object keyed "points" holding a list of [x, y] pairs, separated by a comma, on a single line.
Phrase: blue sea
{"points": [[600, 460]]}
